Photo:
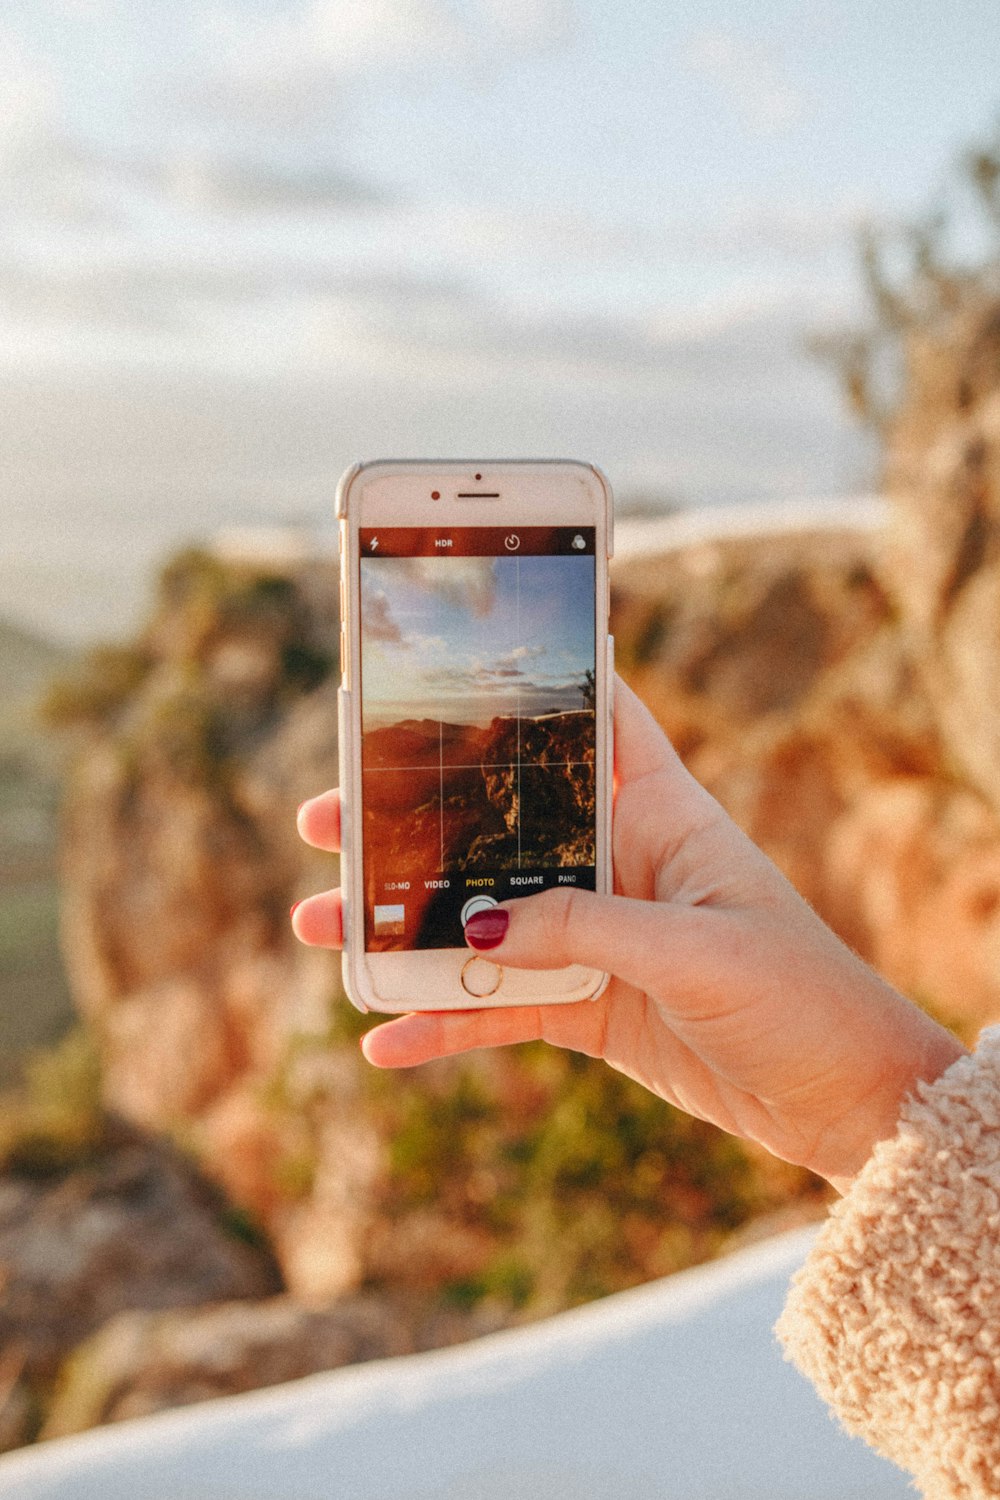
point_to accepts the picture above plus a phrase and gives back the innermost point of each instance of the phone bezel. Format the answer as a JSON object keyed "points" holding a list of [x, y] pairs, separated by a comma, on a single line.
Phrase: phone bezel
{"points": [[398, 493]]}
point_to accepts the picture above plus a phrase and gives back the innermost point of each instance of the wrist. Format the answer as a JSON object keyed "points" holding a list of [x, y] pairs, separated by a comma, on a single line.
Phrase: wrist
{"points": [[928, 1051]]}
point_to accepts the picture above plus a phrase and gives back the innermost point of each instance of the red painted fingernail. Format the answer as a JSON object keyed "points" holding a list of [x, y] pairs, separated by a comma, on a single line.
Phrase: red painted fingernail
{"points": [[487, 929], [295, 907]]}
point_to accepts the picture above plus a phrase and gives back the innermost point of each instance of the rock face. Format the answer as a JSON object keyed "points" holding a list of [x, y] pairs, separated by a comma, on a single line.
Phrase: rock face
{"points": [[142, 1362], [841, 695], [527, 786], [135, 1227], [180, 862], [943, 566]]}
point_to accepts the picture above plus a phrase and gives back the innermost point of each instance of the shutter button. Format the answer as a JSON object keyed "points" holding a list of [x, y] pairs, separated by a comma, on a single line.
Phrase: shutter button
{"points": [[480, 977]]}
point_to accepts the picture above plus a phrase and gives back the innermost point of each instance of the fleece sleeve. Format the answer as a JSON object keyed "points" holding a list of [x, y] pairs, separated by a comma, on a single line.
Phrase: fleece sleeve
{"points": [[895, 1316]]}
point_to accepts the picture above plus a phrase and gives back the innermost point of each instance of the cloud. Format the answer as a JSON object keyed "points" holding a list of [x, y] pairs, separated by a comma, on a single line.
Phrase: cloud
{"points": [[287, 70], [748, 76], [378, 623], [528, 25], [28, 98], [87, 10], [492, 688], [353, 38], [238, 185], [522, 653], [282, 69], [467, 583]]}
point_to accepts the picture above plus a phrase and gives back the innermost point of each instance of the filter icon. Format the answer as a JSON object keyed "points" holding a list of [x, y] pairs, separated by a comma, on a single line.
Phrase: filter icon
{"points": [[579, 543]]}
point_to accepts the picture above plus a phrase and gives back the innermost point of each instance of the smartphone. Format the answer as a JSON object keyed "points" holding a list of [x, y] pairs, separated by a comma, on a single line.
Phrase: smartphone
{"points": [[475, 718]]}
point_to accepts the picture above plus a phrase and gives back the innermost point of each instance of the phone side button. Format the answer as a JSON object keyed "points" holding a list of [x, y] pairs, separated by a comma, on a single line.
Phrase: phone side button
{"points": [[480, 977]]}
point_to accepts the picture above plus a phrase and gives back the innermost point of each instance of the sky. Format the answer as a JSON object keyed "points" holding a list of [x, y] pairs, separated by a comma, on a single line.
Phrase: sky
{"points": [[474, 637], [244, 243]]}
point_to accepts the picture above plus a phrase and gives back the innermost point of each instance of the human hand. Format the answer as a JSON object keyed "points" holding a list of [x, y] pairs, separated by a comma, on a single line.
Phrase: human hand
{"points": [[729, 997]]}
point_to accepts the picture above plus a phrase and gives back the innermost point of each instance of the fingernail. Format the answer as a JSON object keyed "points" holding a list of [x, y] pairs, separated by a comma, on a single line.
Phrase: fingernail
{"points": [[487, 929], [300, 807], [294, 908]]}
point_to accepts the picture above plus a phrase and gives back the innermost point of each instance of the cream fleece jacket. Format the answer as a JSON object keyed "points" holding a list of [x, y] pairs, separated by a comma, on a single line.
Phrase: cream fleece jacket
{"points": [[895, 1317]]}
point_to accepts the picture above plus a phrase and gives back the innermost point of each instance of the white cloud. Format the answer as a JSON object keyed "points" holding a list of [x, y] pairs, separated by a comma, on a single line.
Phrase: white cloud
{"points": [[527, 25], [749, 77], [378, 623], [286, 68], [28, 96], [208, 180], [377, 33], [86, 10], [468, 583]]}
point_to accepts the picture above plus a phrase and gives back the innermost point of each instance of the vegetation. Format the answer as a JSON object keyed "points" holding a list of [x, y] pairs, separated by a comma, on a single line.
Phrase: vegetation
{"points": [[100, 685], [202, 603], [529, 1179], [579, 1181], [34, 999], [54, 1121], [916, 281]]}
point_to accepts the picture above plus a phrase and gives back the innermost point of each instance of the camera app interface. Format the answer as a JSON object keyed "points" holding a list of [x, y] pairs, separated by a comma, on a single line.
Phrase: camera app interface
{"points": [[478, 723]]}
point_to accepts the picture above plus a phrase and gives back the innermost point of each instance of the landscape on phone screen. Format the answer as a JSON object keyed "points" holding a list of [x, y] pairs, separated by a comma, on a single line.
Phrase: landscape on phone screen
{"points": [[478, 724]]}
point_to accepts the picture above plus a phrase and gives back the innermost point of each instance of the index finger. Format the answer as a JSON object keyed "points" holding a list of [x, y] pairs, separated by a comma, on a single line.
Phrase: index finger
{"points": [[641, 747], [318, 821]]}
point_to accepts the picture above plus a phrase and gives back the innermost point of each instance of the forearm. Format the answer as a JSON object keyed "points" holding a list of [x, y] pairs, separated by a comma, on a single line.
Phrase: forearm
{"points": [[896, 1315], [916, 1051]]}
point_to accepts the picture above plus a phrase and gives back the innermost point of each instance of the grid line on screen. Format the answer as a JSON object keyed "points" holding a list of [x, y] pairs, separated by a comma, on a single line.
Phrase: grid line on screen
{"points": [[514, 766], [517, 632], [478, 765]]}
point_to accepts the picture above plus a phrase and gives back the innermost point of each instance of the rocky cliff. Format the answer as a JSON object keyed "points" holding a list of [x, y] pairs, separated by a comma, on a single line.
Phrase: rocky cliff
{"points": [[837, 692], [444, 1194], [446, 797], [180, 862]]}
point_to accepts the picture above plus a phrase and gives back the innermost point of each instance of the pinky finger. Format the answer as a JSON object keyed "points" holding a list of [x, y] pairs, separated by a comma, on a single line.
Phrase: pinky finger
{"points": [[424, 1035], [319, 920]]}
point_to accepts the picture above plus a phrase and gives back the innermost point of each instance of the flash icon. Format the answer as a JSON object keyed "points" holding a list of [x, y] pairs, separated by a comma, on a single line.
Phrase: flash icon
{"points": [[374, 544]]}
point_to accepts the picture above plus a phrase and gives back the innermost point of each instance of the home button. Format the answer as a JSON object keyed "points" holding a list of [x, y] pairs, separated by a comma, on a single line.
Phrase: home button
{"points": [[480, 977]]}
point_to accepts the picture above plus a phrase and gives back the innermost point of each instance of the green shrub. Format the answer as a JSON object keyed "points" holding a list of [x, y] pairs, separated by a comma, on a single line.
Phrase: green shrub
{"points": [[55, 1121], [105, 681], [581, 1181]]}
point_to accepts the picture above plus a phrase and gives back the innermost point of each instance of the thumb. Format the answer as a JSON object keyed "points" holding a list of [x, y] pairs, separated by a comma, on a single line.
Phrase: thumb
{"points": [[642, 942]]}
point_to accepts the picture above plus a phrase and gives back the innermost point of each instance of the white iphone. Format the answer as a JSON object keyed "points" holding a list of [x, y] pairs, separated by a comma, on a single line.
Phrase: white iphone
{"points": [[475, 718]]}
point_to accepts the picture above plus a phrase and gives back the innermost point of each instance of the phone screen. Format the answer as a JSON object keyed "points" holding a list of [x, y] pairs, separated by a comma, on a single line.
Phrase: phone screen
{"points": [[478, 723]]}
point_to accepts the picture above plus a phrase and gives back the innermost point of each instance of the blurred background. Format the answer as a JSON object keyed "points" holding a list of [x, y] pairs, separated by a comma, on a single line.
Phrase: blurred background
{"points": [[746, 261]]}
